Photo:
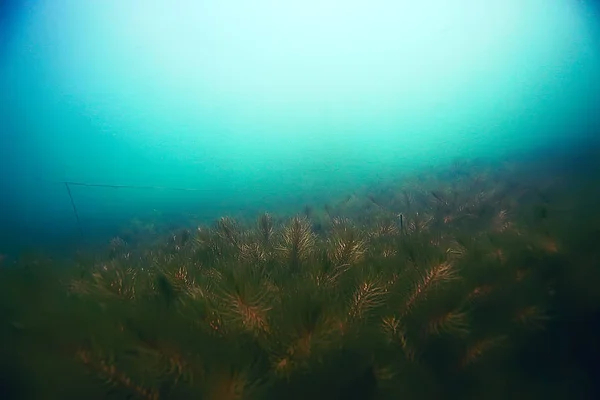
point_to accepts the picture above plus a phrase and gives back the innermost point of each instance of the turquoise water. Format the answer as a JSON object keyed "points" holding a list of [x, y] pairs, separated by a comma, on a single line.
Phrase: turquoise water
{"points": [[319, 199], [266, 105]]}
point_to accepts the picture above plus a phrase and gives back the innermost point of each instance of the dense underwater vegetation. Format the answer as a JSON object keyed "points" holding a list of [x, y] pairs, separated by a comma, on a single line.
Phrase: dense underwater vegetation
{"points": [[299, 200], [477, 280]]}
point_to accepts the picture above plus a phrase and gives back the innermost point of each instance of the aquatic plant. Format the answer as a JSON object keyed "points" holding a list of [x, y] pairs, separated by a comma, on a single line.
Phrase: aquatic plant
{"points": [[438, 285]]}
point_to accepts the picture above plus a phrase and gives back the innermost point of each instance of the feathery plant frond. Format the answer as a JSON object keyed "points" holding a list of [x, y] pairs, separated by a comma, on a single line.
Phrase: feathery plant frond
{"points": [[438, 274], [253, 253], [298, 242], [173, 279], [257, 249], [369, 295], [311, 331], [385, 228], [160, 363], [228, 230], [391, 327], [417, 222], [108, 281], [106, 370], [204, 242], [247, 312], [475, 352], [346, 247], [395, 333], [454, 322], [265, 229], [242, 302]]}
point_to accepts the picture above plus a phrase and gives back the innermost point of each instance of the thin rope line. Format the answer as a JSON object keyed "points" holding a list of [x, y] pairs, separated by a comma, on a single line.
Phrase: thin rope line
{"points": [[74, 208], [68, 185], [128, 186]]}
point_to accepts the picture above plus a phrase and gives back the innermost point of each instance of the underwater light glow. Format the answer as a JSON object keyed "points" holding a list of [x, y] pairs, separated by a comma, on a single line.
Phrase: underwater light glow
{"points": [[351, 63], [255, 95]]}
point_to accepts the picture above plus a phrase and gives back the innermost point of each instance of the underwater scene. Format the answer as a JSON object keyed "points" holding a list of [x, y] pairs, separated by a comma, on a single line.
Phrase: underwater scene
{"points": [[235, 199]]}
